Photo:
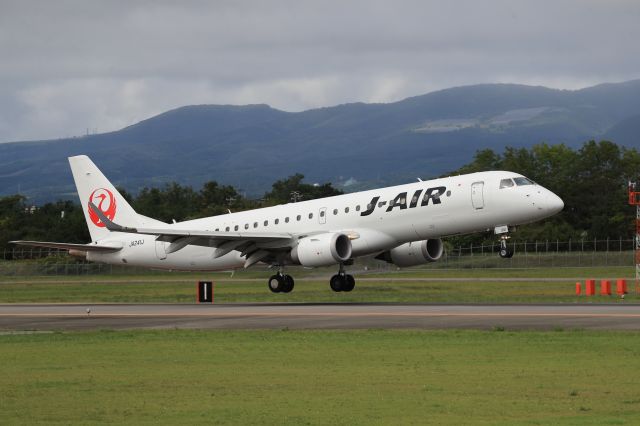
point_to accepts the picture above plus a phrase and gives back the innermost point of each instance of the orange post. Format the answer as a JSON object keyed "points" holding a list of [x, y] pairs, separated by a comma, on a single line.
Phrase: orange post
{"points": [[590, 287], [578, 289], [621, 287], [605, 288]]}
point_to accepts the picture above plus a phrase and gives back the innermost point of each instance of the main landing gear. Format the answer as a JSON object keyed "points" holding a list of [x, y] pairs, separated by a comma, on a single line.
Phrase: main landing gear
{"points": [[342, 281], [281, 283], [505, 252]]}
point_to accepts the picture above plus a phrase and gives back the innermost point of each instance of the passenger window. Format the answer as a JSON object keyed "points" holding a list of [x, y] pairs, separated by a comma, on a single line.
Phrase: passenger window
{"points": [[246, 226], [346, 209], [235, 227], [226, 229], [358, 208], [381, 203], [520, 181], [255, 224], [277, 221], [506, 183], [322, 213], [286, 219], [298, 217], [266, 223], [310, 215], [217, 229], [335, 212]]}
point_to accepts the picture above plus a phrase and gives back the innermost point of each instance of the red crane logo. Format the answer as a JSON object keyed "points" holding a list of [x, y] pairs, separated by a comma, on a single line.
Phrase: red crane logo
{"points": [[106, 202]]}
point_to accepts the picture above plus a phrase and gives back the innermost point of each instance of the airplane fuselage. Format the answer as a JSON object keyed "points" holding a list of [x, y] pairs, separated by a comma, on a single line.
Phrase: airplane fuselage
{"points": [[375, 220]]}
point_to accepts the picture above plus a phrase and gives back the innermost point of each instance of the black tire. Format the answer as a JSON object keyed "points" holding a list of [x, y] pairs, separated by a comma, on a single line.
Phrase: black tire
{"points": [[276, 283], [336, 283], [506, 253], [349, 283], [288, 284]]}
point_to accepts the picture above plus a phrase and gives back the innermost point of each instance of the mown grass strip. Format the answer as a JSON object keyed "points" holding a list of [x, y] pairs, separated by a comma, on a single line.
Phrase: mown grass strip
{"points": [[320, 377], [170, 288]]}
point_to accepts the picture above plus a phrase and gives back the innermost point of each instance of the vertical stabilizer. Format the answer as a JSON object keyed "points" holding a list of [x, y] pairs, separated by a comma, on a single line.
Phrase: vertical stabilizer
{"points": [[93, 186]]}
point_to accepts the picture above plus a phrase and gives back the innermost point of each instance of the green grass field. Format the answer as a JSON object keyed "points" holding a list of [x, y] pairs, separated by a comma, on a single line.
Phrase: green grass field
{"points": [[320, 377], [312, 286]]}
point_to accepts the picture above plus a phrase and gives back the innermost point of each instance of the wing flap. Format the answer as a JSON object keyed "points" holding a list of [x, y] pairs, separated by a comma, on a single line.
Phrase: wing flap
{"points": [[111, 247]]}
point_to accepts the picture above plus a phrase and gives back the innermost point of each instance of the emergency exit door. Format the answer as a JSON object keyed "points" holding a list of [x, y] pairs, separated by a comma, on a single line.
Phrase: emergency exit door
{"points": [[322, 215], [477, 197]]}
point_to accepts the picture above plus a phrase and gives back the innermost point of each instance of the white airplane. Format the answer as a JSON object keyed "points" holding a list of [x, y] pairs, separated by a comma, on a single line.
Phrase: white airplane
{"points": [[401, 224]]}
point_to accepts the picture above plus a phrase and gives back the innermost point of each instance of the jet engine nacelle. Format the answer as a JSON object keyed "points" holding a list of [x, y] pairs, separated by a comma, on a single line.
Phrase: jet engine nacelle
{"points": [[322, 250], [414, 253]]}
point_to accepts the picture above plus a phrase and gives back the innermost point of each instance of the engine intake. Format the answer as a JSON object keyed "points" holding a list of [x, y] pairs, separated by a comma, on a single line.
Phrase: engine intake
{"points": [[414, 253], [322, 250]]}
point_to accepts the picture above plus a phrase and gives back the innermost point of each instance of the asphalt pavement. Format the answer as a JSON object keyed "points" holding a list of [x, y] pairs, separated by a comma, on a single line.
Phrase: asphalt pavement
{"points": [[22, 317]]}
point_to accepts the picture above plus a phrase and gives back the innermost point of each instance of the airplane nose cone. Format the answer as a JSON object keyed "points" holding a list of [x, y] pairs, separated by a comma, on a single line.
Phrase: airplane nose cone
{"points": [[554, 204]]}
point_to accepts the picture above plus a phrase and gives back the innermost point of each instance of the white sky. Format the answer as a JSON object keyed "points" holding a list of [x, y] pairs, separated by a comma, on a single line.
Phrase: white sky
{"points": [[66, 66]]}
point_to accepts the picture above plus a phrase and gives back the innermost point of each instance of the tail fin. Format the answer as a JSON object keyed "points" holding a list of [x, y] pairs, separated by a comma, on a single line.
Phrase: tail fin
{"points": [[94, 187]]}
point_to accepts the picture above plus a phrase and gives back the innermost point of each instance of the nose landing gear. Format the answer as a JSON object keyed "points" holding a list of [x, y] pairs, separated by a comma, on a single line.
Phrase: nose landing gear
{"points": [[505, 252]]}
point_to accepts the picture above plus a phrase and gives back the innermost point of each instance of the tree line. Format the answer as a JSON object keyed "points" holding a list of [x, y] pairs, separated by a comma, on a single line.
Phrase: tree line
{"points": [[64, 220], [592, 181]]}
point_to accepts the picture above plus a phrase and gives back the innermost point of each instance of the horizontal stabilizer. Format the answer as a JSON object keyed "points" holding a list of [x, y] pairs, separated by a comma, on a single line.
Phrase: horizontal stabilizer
{"points": [[70, 246]]}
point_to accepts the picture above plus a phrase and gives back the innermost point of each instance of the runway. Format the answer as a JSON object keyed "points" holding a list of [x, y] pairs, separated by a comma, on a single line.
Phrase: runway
{"points": [[14, 317]]}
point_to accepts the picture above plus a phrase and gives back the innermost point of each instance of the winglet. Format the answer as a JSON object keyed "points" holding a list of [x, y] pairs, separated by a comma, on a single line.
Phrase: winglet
{"points": [[111, 226]]}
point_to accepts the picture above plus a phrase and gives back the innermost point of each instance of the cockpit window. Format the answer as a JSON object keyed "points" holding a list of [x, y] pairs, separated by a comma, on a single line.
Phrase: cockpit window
{"points": [[506, 183], [520, 181]]}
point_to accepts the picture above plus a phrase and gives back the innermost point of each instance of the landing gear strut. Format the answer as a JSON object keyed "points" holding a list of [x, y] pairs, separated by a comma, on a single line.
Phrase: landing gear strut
{"points": [[505, 252], [281, 283], [342, 281]]}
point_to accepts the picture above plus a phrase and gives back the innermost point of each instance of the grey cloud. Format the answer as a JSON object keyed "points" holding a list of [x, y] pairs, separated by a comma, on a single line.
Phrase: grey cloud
{"points": [[72, 65]]}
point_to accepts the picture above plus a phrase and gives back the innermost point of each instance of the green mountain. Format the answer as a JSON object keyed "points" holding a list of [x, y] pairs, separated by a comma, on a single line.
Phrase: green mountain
{"points": [[357, 145]]}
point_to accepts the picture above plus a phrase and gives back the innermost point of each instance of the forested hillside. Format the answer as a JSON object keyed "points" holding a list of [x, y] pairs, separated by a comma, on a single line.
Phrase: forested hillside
{"points": [[354, 146]]}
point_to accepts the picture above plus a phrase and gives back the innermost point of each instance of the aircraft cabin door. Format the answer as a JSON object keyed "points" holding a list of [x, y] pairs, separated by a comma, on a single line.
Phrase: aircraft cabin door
{"points": [[322, 215], [161, 252], [477, 198]]}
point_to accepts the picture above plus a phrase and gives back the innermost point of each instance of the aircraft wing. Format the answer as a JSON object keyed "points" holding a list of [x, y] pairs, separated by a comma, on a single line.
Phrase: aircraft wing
{"points": [[228, 236], [70, 246], [255, 246]]}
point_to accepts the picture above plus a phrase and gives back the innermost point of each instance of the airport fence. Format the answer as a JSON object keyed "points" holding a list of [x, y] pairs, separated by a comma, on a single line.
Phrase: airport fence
{"points": [[545, 254], [21, 261]]}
